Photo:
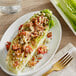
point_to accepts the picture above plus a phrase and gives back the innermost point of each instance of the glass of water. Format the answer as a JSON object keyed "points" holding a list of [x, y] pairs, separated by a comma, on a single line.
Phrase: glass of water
{"points": [[10, 6]]}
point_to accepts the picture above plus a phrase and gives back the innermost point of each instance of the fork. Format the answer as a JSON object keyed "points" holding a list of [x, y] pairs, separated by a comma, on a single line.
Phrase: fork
{"points": [[60, 64]]}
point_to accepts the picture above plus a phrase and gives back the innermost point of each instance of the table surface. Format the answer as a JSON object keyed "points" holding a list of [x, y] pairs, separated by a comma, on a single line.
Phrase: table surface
{"points": [[35, 5]]}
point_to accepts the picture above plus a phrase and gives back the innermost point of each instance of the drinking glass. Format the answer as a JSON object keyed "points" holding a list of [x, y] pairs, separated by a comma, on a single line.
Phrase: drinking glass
{"points": [[10, 6]]}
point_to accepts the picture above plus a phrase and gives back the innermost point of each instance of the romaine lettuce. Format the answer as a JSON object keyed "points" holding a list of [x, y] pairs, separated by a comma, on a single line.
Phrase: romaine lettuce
{"points": [[48, 13]]}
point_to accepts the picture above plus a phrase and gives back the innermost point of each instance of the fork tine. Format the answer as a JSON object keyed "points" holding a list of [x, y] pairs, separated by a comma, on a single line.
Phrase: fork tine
{"points": [[65, 59], [68, 61]]}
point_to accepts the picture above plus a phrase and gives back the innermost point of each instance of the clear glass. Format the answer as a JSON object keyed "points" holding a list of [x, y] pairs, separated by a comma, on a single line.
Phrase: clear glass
{"points": [[10, 6]]}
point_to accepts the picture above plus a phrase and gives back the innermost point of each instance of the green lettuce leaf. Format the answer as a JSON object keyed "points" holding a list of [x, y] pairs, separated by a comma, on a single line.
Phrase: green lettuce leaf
{"points": [[48, 14]]}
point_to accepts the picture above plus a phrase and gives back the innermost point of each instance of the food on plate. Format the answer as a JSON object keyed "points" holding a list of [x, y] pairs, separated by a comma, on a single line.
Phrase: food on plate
{"points": [[41, 50], [27, 48], [69, 9]]}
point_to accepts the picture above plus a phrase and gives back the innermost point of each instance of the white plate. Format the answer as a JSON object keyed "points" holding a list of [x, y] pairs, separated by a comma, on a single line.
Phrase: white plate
{"points": [[12, 31], [63, 15], [70, 69]]}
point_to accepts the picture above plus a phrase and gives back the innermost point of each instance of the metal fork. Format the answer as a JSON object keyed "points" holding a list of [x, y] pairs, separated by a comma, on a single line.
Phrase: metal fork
{"points": [[61, 64]]}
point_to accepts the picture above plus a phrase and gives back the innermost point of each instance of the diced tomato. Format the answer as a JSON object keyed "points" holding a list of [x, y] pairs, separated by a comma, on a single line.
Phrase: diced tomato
{"points": [[8, 45], [20, 27], [30, 48], [15, 63], [27, 49], [23, 33], [49, 34], [41, 50], [15, 47], [37, 61]]}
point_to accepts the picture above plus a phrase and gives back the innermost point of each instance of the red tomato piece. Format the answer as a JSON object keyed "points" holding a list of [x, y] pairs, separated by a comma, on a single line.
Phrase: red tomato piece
{"points": [[23, 33], [20, 27], [49, 34], [15, 47], [41, 50], [27, 49], [30, 48], [33, 58], [8, 45]]}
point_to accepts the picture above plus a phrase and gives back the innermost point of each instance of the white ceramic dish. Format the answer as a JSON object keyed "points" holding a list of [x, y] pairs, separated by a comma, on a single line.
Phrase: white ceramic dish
{"points": [[70, 70], [63, 15], [12, 31]]}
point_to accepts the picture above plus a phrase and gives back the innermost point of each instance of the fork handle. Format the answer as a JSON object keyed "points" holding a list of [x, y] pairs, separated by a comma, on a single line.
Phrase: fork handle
{"points": [[48, 72]]}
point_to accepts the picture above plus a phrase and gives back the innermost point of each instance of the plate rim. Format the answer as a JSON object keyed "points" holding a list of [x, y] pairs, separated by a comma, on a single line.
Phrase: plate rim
{"points": [[48, 59]]}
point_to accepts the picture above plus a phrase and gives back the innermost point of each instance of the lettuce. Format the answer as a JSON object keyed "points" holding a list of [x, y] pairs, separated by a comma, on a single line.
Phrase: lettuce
{"points": [[69, 9], [39, 41], [47, 11], [51, 23], [48, 14]]}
